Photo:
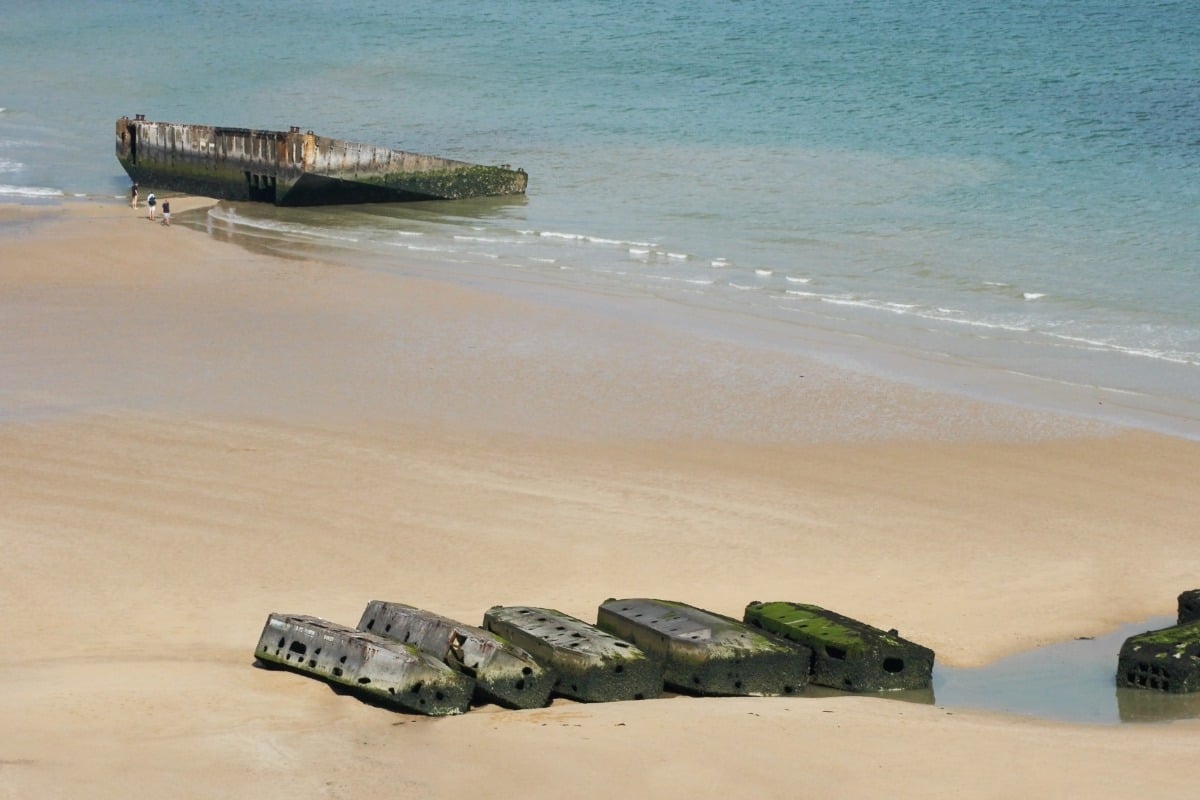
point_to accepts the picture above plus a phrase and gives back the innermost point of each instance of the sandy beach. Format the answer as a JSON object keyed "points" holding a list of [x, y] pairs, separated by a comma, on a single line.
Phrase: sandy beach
{"points": [[193, 435]]}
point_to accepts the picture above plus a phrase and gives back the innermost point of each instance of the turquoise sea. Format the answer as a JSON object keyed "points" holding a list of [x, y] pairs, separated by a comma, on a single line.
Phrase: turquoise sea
{"points": [[998, 198]]}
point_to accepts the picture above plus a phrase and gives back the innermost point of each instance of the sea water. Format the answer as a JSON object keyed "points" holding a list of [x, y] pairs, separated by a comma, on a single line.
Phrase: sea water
{"points": [[998, 198]]}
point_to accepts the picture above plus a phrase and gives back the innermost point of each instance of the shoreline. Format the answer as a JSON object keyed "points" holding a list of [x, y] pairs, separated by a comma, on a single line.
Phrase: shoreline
{"points": [[193, 435]]}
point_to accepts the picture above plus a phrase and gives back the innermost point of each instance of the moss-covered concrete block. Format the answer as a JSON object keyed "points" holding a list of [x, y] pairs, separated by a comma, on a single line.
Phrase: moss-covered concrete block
{"points": [[706, 653], [504, 673], [1166, 660], [381, 670], [592, 666], [847, 654]]}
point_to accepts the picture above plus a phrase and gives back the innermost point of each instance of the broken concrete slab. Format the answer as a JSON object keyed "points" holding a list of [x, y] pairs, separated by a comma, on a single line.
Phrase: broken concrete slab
{"points": [[1189, 606], [504, 673], [706, 653], [1166, 660], [381, 670], [592, 666], [847, 654]]}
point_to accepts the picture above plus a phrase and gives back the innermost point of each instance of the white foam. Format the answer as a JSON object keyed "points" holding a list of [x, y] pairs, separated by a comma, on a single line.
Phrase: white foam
{"points": [[678, 256], [7, 165], [765, 273], [1033, 295], [29, 191], [794, 279]]}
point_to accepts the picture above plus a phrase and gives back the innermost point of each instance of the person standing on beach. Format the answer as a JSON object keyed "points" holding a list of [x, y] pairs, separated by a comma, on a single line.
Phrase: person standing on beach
{"points": [[133, 196], [151, 201], [166, 212]]}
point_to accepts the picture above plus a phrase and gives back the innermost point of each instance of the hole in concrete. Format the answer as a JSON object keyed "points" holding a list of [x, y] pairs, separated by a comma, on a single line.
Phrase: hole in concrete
{"points": [[696, 679], [391, 690], [527, 670], [317, 652], [835, 652], [416, 687], [337, 672], [737, 684], [298, 647], [282, 642], [387, 628], [620, 644], [520, 684], [364, 680], [439, 696], [312, 662], [342, 660], [407, 636], [789, 689], [639, 696], [619, 668], [893, 665], [371, 625]]}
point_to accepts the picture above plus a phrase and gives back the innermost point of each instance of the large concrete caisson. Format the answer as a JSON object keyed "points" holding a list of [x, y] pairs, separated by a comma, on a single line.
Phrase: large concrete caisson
{"points": [[847, 654], [291, 168], [1189, 606], [504, 673], [382, 670], [592, 666], [706, 653], [1166, 660]]}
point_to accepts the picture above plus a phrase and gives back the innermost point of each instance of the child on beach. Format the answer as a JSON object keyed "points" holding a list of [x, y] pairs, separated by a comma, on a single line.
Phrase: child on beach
{"points": [[133, 196], [151, 201], [166, 212]]}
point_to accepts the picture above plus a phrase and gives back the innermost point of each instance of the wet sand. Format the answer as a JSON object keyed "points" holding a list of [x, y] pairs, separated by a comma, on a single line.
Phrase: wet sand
{"points": [[193, 435]]}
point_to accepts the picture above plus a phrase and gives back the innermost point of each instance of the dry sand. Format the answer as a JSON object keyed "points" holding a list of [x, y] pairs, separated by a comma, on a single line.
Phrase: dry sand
{"points": [[193, 435]]}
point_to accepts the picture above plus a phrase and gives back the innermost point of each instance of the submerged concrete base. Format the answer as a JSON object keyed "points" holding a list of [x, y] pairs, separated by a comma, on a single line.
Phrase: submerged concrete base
{"points": [[592, 666], [379, 669], [1166, 660], [705, 653], [504, 673], [847, 654]]}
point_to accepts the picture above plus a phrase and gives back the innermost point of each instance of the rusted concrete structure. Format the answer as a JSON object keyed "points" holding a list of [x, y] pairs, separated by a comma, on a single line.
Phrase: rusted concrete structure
{"points": [[504, 673], [592, 666], [294, 168], [705, 653], [1166, 660], [847, 654], [381, 670]]}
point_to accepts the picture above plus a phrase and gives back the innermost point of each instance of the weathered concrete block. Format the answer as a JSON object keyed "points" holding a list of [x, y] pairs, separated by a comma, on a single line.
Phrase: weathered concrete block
{"points": [[504, 673], [847, 654], [1189, 606], [592, 666], [382, 670], [706, 653], [1166, 660]]}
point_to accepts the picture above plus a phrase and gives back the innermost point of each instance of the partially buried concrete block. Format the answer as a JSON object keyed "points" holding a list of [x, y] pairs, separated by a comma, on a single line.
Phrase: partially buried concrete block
{"points": [[592, 666], [504, 673], [847, 654], [379, 669], [706, 653], [1166, 660], [1189, 606]]}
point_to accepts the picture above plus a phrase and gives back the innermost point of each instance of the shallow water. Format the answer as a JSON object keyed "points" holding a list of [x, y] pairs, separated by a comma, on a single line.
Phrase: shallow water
{"points": [[1071, 681]]}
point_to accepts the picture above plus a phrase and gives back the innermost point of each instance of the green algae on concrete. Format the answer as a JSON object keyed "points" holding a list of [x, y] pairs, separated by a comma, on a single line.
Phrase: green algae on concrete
{"points": [[1165, 660], [382, 670], [592, 666], [847, 654], [504, 673], [706, 653]]}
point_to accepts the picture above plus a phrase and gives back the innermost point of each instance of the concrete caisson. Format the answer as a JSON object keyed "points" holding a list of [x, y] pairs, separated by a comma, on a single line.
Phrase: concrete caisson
{"points": [[294, 168], [846, 654], [382, 670], [504, 673], [705, 653], [592, 665], [1166, 660], [1189, 606]]}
